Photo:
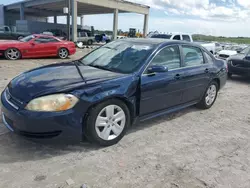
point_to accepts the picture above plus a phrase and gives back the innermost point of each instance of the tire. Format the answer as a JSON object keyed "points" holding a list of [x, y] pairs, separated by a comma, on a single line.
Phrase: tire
{"points": [[89, 42], [63, 53], [95, 132], [204, 104], [12, 54]]}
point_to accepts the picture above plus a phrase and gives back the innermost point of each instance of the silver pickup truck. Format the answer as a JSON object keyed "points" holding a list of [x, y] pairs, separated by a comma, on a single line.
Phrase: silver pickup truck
{"points": [[7, 34], [85, 37]]}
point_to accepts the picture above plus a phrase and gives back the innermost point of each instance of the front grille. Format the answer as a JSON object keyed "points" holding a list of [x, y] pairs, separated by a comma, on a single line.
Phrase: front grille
{"points": [[40, 135], [13, 101]]}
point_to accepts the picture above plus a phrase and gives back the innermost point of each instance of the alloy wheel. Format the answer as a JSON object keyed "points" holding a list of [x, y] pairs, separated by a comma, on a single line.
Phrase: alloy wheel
{"points": [[63, 53], [13, 54], [110, 122], [211, 95]]}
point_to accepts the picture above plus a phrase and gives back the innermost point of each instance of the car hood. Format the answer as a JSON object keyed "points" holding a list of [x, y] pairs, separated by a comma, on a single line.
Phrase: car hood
{"points": [[227, 52], [9, 42], [56, 78], [237, 57]]}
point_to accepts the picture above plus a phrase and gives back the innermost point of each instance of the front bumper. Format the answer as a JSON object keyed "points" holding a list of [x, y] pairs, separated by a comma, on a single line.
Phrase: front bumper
{"points": [[65, 126]]}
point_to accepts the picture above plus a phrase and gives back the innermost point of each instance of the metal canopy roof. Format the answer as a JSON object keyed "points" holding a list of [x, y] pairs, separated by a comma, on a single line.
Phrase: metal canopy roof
{"points": [[84, 7]]}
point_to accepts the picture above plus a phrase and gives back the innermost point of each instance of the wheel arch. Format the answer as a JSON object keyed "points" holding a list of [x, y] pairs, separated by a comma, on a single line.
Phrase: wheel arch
{"points": [[130, 104], [17, 48], [218, 82], [60, 47]]}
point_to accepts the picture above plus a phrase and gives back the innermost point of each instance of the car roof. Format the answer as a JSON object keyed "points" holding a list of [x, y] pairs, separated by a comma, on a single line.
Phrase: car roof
{"points": [[44, 35], [157, 41]]}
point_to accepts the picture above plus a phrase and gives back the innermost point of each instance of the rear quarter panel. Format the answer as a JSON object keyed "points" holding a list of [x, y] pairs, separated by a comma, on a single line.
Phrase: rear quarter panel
{"points": [[68, 45], [221, 71]]}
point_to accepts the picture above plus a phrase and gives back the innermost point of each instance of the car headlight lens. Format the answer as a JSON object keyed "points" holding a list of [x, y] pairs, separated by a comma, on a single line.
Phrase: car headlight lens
{"points": [[53, 103]]}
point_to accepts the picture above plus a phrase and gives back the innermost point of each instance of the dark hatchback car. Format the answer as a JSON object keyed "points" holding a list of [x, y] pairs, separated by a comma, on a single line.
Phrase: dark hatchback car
{"points": [[239, 64], [106, 91]]}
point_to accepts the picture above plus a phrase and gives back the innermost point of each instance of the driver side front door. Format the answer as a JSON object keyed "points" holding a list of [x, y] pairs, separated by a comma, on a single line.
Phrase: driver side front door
{"points": [[160, 91]]}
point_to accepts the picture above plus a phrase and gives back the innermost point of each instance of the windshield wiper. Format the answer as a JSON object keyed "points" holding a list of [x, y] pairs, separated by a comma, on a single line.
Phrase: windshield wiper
{"points": [[99, 67], [78, 69]]}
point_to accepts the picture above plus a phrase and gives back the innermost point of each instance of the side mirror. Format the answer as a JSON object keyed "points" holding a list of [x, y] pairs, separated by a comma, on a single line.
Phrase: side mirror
{"points": [[157, 69], [32, 44], [238, 51]]}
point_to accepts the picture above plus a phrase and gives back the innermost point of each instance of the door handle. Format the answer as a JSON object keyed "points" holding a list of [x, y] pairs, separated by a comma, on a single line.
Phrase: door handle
{"points": [[206, 71], [177, 76]]}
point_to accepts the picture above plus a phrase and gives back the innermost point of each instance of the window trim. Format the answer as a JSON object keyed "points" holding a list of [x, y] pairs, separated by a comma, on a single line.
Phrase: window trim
{"points": [[183, 65], [204, 55], [45, 42], [181, 59]]}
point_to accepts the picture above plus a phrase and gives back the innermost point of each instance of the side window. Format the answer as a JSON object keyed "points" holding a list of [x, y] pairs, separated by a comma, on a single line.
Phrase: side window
{"points": [[6, 29], [45, 40], [177, 37], [209, 58], [192, 56], [186, 38], [169, 57]]}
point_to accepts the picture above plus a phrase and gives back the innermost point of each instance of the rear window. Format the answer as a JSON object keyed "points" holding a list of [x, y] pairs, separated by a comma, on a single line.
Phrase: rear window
{"points": [[162, 36]]}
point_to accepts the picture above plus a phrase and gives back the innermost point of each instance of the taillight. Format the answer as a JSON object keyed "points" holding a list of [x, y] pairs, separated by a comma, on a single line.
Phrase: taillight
{"points": [[226, 66]]}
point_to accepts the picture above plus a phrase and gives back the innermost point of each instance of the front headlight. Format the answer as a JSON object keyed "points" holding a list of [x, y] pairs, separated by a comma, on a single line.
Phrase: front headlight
{"points": [[53, 103]]}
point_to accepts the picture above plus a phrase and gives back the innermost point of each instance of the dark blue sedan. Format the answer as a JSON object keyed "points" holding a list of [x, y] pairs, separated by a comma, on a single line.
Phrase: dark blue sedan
{"points": [[102, 94]]}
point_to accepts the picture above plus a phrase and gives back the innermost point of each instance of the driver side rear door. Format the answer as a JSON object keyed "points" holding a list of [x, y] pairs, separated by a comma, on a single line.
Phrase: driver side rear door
{"points": [[161, 91]]}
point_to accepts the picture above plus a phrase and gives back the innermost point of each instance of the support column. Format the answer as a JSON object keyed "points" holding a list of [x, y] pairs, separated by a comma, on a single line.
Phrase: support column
{"points": [[115, 24], [82, 21], [55, 19], [74, 20], [145, 26], [68, 19], [22, 11]]}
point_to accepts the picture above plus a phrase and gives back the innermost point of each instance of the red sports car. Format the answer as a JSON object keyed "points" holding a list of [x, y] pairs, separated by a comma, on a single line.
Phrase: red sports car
{"points": [[35, 46]]}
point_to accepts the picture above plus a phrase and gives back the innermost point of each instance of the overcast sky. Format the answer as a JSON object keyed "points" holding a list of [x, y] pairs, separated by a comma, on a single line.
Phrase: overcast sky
{"points": [[215, 17]]}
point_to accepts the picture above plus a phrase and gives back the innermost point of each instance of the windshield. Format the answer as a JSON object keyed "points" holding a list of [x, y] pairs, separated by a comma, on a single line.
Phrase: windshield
{"points": [[234, 48], [161, 36], [245, 51], [28, 38], [118, 56]]}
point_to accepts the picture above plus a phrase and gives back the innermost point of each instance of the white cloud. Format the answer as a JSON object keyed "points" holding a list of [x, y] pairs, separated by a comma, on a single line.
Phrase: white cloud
{"points": [[244, 3], [202, 8], [224, 18]]}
